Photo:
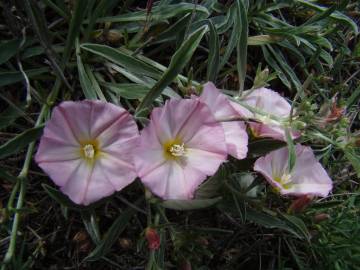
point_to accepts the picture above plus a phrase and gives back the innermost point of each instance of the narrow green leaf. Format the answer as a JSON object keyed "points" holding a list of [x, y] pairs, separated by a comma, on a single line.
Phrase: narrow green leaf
{"points": [[8, 49], [263, 39], [112, 235], [59, 197], [214, 54], [128, 90], [269, 221], [85, 82], [11, 77], [354, 159], [354, 98], [335, 15], [120, 58], [8, 116], [263, 146], [89, 220], [211, 187], [158, 13], [291, 150], [94, 83], [241, 25], [6, 176], [20, 141], [74, 29], [298, 224], [190, 204], [235, 35], [181, 57]]}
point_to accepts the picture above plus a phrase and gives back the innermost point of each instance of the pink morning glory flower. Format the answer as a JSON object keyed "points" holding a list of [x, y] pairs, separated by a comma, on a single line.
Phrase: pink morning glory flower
{"points": [[308, 177], [86, 149], [235, 131], [271, 104], [181, 146]]}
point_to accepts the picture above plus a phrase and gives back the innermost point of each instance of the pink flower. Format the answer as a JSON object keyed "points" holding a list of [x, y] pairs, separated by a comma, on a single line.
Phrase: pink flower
{"points": [[308, 177], [86, 149], [270, 103], [235, 131], [180, 147]]}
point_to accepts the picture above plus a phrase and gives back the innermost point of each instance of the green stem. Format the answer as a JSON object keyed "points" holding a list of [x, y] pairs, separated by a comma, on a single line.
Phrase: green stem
{"points": [[22, 178]]}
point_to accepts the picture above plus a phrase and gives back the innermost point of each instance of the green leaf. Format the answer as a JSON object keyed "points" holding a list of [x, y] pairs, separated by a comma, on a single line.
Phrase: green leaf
{"points": [[235, 35], [120, 58], [89, 220], [241, 25], [211, 187], [181, 57], [263, 146], [190, 204], [354, 98], [6, 176], [59, 197], [20, 141], [214, 54], [74, 30], [158, 13], [128, 90], [94, 83], [298, 225], [291, 150], [112, 235], [263, 39], [269, 221], [8, 116], [11, 77], [354, 159], [336, 15], [85, 82], [8, 49]]}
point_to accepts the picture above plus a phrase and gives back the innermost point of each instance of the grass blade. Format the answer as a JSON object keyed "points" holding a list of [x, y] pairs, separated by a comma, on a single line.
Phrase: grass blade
{"points": [[181, 57]]}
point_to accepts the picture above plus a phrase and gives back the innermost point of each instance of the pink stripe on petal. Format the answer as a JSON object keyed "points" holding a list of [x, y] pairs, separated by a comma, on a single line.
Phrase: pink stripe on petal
{"points": [[51, 149]]}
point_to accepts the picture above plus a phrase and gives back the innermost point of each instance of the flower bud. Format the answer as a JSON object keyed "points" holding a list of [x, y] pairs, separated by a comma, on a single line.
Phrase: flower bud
{"points": [[153, 238], [299, 204], [321, 217]]}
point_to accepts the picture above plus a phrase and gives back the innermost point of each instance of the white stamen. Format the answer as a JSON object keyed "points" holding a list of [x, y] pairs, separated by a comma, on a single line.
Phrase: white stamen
{"points": [[286, 179], [177, 150], [89, 151]]}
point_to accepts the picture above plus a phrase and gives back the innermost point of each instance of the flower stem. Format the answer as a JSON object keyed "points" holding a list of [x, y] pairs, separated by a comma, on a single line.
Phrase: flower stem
{"points": [[22, 178]]}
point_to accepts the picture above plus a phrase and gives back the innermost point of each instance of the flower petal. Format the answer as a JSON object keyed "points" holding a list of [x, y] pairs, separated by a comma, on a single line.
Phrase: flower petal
{"points": [[51, 150], [172, 181], [109, 129], [235, 132], [269, 102], [218, 103], [192, 122], [236, 139], [307, 178]]}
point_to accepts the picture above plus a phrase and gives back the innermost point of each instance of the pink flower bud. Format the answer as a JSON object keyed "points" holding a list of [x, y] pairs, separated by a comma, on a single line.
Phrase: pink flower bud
{"points": [[153, 238]]}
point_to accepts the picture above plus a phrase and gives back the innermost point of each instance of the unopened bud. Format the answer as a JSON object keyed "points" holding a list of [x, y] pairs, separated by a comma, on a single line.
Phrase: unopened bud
{"points": [[299, 204], [153, 238], [321, 217]]}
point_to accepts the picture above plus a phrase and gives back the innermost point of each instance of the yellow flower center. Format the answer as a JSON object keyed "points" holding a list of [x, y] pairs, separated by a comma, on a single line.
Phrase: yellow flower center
{"points": [[89, 150], [174, 149], [284, 180]]}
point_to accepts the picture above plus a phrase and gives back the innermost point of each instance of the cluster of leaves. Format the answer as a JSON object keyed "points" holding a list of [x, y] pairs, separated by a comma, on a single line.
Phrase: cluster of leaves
{"points": [[138, 53]]}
